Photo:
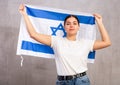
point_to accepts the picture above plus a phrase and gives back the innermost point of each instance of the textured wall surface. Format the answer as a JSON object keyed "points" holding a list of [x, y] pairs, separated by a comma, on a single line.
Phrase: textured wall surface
{"points": [[40, 71]]}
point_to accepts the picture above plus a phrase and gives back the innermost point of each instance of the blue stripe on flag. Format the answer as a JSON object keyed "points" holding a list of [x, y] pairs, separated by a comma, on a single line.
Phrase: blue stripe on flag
{"points": [[91, 55], [26, 45], [57, 16]]}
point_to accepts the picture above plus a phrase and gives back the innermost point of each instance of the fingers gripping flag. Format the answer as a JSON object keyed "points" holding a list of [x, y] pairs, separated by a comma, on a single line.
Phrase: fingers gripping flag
{"points": [[49, 21]]}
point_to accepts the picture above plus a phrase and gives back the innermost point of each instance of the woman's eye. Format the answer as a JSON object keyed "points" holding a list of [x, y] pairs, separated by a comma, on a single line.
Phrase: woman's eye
{"points": [[68, 24], [75, 23], [71, 23]]}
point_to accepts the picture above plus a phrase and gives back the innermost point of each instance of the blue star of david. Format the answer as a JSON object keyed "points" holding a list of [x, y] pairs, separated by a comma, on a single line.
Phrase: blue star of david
{"points": [[55, 29]]}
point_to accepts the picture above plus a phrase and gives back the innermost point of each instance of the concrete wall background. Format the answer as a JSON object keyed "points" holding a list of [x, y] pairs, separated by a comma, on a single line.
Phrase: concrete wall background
{"points": [[40, 71]]}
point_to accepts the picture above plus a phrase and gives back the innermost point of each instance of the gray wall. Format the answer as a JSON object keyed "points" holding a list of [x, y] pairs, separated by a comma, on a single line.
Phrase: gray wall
{"points": [[40, 71]]}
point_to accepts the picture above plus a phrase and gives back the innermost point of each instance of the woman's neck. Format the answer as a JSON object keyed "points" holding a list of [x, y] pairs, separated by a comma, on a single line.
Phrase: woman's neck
{"points": [[72, 38]]}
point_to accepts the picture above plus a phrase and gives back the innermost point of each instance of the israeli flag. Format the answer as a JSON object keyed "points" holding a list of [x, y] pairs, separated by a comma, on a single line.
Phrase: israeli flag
{"points": [[49, 21]]}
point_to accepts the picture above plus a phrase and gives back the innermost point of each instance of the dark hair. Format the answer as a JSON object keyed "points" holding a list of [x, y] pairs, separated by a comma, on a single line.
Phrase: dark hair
{"points": [[71, 16]]}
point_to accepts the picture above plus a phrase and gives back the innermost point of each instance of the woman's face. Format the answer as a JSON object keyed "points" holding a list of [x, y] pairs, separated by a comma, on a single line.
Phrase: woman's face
{"points": [[71, 26]]}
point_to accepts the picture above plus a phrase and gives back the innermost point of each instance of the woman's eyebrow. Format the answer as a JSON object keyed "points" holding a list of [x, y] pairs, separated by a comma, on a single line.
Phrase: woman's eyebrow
{"points": [[70, 22], [74, 21]]}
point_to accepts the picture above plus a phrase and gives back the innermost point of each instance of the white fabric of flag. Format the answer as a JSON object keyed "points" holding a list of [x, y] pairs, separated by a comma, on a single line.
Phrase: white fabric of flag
{"points": [[49, 21]]}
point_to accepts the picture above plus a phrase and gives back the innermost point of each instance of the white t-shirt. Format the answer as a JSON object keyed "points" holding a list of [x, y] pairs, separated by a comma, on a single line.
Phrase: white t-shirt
{"points": [[71, 56]]}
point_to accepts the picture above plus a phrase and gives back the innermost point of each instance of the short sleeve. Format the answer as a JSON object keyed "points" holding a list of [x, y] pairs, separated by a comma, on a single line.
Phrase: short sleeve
{"points": [[91, 45], [53, 41]]}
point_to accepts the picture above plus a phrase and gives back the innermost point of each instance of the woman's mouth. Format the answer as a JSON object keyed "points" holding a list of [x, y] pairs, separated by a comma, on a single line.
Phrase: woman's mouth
{"points": [[71, 29]]}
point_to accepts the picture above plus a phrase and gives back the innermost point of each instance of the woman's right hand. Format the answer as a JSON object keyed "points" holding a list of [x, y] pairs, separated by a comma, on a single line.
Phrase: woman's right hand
{"points": [[22, 9]]}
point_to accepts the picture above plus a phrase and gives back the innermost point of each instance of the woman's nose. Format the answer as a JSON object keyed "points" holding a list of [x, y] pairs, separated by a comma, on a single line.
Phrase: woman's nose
{"points": [[71, 26]]}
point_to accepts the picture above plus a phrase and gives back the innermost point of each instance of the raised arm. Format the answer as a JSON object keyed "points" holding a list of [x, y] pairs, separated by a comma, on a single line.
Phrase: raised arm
{"points": [[105, 40], [45, 39]]}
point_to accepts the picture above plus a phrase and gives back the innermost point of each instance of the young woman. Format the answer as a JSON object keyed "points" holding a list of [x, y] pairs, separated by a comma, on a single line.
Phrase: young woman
{"points": [[70, 54]]}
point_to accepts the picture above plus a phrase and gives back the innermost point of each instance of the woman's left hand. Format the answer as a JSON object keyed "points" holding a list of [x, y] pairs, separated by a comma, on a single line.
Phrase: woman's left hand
{"points": [[98, 17]]}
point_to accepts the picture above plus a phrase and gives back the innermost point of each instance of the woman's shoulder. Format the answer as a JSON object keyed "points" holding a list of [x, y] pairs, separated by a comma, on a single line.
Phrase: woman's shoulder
{"points": [[57, 38]]}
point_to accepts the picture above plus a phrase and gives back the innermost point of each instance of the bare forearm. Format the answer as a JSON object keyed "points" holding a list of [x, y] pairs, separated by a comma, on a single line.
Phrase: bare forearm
{"points": [[105, 41], [29, 25], [103, 32]]}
